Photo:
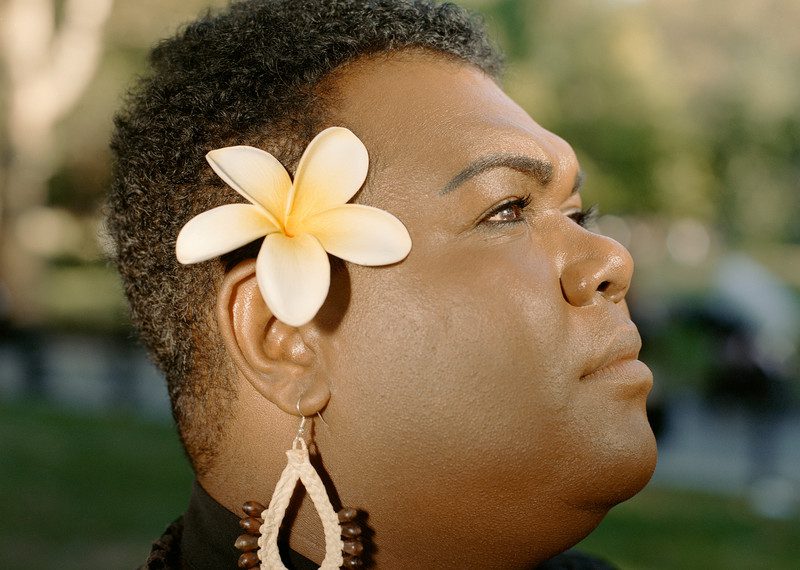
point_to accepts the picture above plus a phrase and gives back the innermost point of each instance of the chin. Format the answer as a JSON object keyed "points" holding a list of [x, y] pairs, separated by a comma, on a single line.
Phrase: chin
{"points": [[616, 462], [638, 476], [615, 475], [628, 468]]}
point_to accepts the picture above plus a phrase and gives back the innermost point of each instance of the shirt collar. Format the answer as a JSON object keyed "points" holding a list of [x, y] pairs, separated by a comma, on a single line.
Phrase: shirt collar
{"points": [[209, 532]]}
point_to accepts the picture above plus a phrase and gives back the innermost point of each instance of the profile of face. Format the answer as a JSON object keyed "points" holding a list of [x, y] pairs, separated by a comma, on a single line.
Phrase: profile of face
{"points": [[484, 393]]}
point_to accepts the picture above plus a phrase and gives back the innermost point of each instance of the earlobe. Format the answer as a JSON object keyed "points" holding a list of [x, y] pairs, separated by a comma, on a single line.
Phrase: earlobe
{"points": [[275, 358]]}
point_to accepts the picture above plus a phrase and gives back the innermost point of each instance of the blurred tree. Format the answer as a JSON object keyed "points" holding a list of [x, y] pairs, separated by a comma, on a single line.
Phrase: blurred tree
{"points": [[48, 68], [676, 107]]}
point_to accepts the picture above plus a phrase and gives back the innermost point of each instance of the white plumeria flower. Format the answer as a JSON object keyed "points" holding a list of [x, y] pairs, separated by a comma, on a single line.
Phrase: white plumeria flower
{"points": [[301, 221]]}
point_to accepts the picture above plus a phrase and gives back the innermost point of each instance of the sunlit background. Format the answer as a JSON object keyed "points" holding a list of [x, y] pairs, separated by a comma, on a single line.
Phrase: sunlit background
{"points": [[685, 115]]}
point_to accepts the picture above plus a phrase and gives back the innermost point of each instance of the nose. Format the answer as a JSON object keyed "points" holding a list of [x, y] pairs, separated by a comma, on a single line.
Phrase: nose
{"points": [[601, 270]]}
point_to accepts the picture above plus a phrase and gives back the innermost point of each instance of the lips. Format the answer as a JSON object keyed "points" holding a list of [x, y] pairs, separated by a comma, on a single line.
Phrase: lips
{"points": [[622, 346]]}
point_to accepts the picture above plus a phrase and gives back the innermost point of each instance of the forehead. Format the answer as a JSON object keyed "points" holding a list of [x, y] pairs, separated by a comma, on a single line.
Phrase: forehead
{"points": [[425, 116]]}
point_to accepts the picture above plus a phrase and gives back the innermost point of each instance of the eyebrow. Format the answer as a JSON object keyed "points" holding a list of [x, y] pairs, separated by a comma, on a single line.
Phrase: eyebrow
{"points": [[541, 170], [580, 178]]}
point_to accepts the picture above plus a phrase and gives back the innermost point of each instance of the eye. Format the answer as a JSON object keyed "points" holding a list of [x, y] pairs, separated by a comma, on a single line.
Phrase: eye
{"points": [[510, 212], [585, 218]]}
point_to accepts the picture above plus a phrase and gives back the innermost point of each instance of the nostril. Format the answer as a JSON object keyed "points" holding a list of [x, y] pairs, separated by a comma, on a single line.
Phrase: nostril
{"points": [[603, 287]]}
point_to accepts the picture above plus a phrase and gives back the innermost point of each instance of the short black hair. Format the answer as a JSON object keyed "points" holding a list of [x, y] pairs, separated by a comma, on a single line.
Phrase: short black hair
{"points": [[249, 74]]}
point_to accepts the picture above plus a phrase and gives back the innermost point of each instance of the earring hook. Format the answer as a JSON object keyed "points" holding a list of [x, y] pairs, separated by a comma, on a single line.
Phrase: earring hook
{"points": [[302, 429], [299, 439]]}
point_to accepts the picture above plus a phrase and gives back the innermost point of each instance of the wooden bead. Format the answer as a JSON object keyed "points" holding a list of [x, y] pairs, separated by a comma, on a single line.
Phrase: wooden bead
{"points": [[353, 562], [250, 525], [347, 514], [253, 509], [247, 542], [353, 547], [351, 529], [248, 560]]}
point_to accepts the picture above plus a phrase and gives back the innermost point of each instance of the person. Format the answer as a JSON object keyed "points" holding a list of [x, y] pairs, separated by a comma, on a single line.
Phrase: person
{"points": [[478, 400]]}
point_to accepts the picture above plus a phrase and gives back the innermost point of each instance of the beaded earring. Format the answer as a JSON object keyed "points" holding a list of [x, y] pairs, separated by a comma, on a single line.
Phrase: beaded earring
{"points": [[251, 523], [260, 541]]}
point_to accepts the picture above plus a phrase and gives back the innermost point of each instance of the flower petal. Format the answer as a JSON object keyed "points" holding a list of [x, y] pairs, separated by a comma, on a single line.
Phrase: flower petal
{"points": [[331, 170], [221, 230], [361, 234], [255, 174], [294, 275]]}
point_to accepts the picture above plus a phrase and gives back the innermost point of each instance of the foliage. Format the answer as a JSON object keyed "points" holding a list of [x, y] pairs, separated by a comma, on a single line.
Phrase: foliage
{"points": [[678, 109], [681, 108]]}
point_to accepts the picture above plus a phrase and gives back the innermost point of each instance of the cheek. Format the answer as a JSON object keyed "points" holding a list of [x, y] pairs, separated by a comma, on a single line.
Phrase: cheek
{"points": [[459, 362]]}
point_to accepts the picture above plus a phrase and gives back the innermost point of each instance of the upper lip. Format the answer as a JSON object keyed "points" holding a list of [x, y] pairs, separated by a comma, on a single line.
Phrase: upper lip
{"points": [[625, 345]]}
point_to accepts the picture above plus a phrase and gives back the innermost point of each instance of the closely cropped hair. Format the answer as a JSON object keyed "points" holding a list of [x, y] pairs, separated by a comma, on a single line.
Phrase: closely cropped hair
{"points": [[250, 74]]}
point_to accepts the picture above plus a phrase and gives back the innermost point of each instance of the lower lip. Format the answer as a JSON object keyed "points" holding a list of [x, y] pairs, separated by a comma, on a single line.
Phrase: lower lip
{"points": [[633, 376]]}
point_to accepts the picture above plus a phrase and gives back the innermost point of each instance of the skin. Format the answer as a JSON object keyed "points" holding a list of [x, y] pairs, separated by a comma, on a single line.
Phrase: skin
{"points": [[453, 383]]}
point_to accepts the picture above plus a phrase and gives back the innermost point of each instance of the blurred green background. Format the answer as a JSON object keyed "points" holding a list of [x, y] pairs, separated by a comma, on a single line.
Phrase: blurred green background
{"points": [[685, 115]]}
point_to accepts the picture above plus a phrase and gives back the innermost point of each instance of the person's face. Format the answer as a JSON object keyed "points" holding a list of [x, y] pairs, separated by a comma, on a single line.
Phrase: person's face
{"points": [[459, 375]]}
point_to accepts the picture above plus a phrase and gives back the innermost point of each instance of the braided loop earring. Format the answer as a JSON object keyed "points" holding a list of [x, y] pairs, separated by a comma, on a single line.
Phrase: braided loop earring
{"points": [[299, 468]]}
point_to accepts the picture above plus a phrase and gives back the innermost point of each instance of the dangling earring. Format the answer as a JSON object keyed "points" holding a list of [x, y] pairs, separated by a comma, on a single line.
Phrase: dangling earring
{"points": [[260, 544]]}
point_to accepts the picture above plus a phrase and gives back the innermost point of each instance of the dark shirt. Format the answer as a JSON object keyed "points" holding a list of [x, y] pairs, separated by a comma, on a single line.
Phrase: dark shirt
{"points": [[203, 538]]}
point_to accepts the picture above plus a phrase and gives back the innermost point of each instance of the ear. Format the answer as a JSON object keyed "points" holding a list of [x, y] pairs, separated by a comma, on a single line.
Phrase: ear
{"points": [[278, 360]]}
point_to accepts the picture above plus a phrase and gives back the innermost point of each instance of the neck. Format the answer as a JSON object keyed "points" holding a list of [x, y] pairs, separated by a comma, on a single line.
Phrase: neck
{"points": [[244, 471]]}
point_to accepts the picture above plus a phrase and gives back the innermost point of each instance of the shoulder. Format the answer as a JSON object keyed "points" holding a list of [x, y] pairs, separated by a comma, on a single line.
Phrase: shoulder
{"points": [[166, 551], [575, 560]]}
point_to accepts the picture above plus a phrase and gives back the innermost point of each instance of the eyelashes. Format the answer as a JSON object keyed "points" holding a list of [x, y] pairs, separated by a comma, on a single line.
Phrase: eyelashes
{"points": [[517, 205], [587, 217], [584, 218]]}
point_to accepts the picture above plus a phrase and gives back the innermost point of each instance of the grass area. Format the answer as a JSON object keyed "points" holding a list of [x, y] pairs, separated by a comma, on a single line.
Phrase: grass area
{"points": [[661, 528], [84, 492]]}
